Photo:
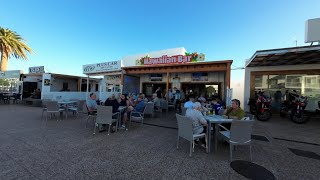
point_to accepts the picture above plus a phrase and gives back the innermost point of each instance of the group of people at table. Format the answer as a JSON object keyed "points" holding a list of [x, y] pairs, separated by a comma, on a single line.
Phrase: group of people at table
{"points": [[134, 106], [196, 111]]}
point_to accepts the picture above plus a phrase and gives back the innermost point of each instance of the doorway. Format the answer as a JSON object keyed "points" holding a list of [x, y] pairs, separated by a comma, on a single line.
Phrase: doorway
{"points": [[149, 88], [208, 89], [28, 88]]}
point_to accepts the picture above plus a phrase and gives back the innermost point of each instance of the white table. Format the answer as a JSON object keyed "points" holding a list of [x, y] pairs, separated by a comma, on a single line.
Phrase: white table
{"points": [[66, 105], [214, 119]]}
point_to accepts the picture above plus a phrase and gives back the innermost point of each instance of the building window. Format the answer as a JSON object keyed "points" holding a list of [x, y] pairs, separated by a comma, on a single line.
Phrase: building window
{"points": [[65, 86]]}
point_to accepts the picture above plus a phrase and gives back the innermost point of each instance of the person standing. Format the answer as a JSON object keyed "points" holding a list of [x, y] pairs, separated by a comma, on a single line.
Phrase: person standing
{"points": [[159, 93], [178, 99]]}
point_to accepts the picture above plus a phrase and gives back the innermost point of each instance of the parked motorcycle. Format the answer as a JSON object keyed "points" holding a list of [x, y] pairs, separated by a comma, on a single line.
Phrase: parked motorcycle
{"points": [[260, 107], [294, 107]]}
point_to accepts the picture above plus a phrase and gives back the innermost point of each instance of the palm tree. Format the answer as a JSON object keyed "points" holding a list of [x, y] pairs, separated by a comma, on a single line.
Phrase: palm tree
{"points": [[11, 44]]}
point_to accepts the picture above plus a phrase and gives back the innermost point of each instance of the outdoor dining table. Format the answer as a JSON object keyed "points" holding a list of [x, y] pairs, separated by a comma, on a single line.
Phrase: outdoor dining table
{"points": [[66, 105], [214, 119]]}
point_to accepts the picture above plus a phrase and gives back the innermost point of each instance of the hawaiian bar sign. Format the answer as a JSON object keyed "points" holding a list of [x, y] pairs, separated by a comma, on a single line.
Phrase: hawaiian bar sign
{"points": [[167, 60], [178, 59]]}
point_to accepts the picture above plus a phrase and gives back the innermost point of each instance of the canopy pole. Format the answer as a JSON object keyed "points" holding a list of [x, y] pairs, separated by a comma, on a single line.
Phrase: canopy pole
{"points": [[100, 91], [122, 81], [167, 87], [87, 94]]}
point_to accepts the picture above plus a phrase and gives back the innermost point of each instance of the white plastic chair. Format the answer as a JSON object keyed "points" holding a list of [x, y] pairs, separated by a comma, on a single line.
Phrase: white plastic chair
{"points": [[44, 106], [239, 134], [138, 118], [183, 111], [86, 111], [164, 105], [104, 116], [52, 108], [185, 130], [149, 109], [172, 104]]}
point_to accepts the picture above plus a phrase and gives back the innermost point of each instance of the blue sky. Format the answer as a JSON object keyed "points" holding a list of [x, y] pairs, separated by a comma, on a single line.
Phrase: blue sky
{"points": [[66, 34]]}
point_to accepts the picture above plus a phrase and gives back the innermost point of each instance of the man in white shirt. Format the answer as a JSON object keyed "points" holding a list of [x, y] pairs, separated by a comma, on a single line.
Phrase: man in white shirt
{"points": [[189, 104], [198, 120], [92, 104]]}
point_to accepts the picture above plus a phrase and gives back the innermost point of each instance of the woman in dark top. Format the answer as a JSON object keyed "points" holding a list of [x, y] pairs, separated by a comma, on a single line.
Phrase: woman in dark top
{"points": [[123, 100]]}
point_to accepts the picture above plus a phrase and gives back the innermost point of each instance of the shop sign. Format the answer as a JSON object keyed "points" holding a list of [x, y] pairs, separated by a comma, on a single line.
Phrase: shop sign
{"points": [[102, 67], [178, 59], [113, 79], [36, 69], [10, 74]]}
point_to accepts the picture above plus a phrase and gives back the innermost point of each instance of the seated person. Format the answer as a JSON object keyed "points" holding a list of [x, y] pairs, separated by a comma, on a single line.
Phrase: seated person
{"points": [[123, 100], [131, 101], [134, 96], [112, 101], [156, 101], [216, 106], [235, 111], [143, 97], [138, 108], [92, 104], [36, 94], [198, 120], [202, 99], [189, 104]]}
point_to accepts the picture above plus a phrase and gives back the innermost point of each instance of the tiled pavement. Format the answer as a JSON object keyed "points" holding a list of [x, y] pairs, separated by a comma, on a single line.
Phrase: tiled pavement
{"points": [[65, 149]]}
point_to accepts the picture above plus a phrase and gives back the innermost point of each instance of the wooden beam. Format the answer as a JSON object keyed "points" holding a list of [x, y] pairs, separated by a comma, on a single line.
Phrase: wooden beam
{"points": [[178, 69], [228, 72]]}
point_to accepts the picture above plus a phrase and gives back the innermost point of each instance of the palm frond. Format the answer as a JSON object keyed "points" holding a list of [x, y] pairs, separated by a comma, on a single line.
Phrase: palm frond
{"points": [[13, 44]]}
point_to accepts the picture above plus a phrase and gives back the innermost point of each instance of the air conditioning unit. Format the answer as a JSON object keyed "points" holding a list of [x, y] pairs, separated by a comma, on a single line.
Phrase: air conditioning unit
{"points": [[312, 33], [155, 77]]}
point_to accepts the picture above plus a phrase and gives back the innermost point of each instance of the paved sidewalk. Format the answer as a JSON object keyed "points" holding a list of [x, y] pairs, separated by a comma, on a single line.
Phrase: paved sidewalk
{"points": [[67, 150]]}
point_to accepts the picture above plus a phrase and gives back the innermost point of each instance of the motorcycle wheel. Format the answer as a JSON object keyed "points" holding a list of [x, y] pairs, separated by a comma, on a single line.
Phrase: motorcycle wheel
{"points": [[265, 116], [299, 119]]}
